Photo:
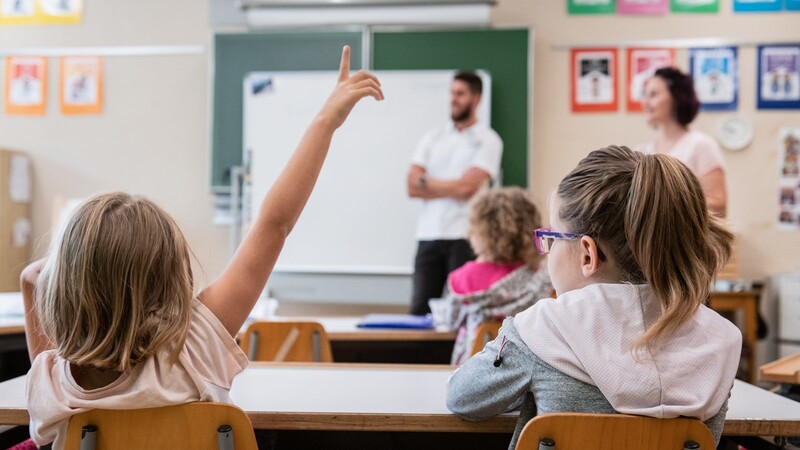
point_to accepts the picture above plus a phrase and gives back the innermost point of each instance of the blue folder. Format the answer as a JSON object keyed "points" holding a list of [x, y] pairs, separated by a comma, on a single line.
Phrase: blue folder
{"points": [[396, 321]]}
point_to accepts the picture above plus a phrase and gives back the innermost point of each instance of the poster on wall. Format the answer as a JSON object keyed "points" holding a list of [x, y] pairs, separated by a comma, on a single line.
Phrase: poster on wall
{"points": [[591, 6], [694, 6], [81, 85], [779, 76], [716, 77], [26, 85], [789, 176], [649, 7], [594, 79], [642, 64], [40, 12], [792, 5], [757, 5]]}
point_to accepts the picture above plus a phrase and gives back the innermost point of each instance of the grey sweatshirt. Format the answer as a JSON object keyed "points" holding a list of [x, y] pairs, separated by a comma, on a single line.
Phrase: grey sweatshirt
{"points": [[479, 390]]}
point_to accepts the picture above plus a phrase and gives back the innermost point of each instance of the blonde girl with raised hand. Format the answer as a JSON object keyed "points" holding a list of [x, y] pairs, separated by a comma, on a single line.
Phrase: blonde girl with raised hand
{"points": [[631, 253], [506, 278], [112, 322]]}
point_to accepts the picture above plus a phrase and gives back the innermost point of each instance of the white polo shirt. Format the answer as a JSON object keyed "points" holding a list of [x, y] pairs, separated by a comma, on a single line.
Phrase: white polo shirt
{"points": [[447, 154]]}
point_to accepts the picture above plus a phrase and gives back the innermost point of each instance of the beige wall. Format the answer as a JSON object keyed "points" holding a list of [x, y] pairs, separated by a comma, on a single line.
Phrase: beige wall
{"points": [[153, 137], [561, 138]]}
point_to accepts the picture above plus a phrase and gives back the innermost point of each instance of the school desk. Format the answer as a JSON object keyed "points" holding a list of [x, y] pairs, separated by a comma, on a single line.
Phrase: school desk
{"points": [[408, 398], [747, 302]]}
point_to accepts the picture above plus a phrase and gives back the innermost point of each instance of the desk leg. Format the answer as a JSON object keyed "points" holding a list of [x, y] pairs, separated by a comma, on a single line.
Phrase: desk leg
{"points": [[750, 335]]}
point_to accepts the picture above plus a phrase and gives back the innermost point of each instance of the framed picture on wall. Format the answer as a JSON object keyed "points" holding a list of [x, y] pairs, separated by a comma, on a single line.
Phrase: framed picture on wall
{"points": [[81, 85], [643, 7], [642, 64], [26, 85], [779, 76], [594, 79], [716, 77], [757, 5], [694, 6], [591, 6]]}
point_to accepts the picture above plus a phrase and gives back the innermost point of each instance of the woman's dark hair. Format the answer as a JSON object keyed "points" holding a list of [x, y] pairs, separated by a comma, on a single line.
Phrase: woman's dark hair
{"points": [[684, 98]]}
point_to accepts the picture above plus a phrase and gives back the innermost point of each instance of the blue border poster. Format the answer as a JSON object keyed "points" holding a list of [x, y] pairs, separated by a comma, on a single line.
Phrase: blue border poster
{"points": [[779, 76], [757, 5], [716, 77]]}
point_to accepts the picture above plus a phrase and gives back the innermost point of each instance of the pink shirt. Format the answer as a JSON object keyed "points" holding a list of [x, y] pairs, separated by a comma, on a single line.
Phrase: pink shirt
{"points": [[697, 150], [478, 276], [204, 371]]}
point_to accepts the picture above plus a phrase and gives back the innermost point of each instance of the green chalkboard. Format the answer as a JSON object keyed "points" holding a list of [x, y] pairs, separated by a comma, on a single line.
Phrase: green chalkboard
{"points": [[235, 55], [503, 53]]}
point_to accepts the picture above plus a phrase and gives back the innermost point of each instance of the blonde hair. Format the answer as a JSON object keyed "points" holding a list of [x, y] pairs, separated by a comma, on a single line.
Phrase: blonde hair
{"points": [[648, 215], [117, 285], [503, 221]]}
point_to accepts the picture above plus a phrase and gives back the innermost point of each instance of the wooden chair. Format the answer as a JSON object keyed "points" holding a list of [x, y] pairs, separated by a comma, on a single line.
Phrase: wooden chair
{"points": [[486, 332], [287, 341], [572, 431], [197, 425]]}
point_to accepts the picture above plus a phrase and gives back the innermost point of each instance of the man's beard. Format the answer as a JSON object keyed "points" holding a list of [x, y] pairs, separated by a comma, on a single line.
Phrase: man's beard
{"points": [[463, 115]]}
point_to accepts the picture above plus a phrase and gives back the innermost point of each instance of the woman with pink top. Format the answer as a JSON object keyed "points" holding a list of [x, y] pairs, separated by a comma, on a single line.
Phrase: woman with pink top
{"points": [[506, 277], [670, 104]]}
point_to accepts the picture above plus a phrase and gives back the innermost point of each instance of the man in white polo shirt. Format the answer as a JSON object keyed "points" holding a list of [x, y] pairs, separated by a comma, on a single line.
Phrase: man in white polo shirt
{"points": [[451, 164]]}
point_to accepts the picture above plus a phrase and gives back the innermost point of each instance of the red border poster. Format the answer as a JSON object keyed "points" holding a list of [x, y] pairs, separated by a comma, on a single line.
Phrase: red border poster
{"points": [[642, 64], [594, 79], [26, 85]]}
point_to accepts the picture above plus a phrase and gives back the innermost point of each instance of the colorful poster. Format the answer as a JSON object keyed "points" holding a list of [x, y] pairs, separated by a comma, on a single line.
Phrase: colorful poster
{"points": [[694, 6], [716, 77], [594, 79], [26, 85], [591, 6], [642, 64], [650, 7], [757, 5], [792, 5], [779, 76], [39, 12], [789, 176], [81, 85]]}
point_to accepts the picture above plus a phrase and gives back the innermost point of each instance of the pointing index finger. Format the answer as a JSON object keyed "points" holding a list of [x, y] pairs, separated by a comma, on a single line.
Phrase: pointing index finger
{"points": [[344, 65]]}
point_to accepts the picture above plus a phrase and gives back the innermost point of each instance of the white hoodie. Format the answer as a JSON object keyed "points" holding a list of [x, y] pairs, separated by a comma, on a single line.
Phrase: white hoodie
{"points": [[589, 335]]}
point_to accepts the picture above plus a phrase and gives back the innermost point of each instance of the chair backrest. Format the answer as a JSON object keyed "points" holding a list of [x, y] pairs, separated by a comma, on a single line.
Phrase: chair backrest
{"points": [[287, 341], [572, 431], [193, 425], [486, 332]]}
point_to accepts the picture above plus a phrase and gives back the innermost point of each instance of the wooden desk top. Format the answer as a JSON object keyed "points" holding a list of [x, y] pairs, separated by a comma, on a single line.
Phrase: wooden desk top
{"points": [[402, 398], [784, 370], [12, 321]]}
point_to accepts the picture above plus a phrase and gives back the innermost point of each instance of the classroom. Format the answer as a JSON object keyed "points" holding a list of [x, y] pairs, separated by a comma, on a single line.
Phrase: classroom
{"points": [[220, 113]]}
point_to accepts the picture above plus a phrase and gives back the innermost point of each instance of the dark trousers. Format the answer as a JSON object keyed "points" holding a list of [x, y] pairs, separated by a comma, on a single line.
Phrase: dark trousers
{"points": [[435, 260]]}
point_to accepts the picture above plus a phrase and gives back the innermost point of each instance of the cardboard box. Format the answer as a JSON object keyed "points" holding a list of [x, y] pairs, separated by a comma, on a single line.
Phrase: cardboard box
{"points": [[15, 217]]}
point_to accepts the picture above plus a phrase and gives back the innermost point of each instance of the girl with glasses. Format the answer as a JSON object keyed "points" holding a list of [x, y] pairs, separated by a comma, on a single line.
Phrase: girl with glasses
{"points": [[631, 254], [507, 277]]}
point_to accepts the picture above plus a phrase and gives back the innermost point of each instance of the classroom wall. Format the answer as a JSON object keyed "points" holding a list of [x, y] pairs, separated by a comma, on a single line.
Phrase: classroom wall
{"points": [[153, 137], [561, 138]]}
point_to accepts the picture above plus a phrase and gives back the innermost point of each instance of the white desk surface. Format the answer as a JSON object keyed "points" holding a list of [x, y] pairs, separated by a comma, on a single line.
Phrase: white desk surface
{"points": [[12, 320], [401, 398]]}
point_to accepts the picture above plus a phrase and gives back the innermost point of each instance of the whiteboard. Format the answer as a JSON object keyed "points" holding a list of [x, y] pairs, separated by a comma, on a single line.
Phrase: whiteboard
{"points": [[359, 218]]}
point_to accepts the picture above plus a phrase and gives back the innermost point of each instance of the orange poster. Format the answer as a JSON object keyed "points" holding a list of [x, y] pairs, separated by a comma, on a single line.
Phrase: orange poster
{"points": [[26, 85], [81, 85]]}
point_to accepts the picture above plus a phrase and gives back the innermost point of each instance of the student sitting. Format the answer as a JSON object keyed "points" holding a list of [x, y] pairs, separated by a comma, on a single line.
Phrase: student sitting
{"points": [[505, 279], [112, 321], [632, 253]]}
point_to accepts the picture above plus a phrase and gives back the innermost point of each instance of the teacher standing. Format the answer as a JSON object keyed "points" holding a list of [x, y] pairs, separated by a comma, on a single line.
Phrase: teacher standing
{"points": [[451, 164], [671, 104]]}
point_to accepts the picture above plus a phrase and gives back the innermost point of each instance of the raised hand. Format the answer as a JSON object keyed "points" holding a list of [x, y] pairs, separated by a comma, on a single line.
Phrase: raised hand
{"points": [[349, 90]]}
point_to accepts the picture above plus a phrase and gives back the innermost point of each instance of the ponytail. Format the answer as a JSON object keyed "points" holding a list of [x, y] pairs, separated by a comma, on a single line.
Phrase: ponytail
{"points": [[649, 215]]}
